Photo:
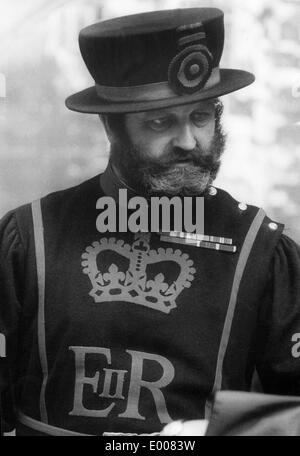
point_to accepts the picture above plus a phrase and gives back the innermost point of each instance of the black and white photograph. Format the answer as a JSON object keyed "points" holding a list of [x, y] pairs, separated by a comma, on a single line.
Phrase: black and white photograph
{"points": [[149, 220]]}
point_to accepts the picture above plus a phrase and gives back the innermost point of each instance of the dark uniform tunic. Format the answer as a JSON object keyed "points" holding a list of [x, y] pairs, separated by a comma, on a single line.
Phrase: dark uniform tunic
{"points": [[124, 332]]}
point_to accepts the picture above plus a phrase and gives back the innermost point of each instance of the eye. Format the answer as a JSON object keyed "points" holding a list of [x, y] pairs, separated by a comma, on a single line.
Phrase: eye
{"points": [[159, 124], [200, 118]]}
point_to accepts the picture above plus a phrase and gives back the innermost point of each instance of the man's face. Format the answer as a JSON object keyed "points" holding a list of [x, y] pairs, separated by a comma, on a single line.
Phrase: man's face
{"points": [[171, 151]]}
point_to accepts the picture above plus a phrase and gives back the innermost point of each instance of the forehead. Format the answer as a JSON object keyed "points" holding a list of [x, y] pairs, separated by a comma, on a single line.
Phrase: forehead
{"points": [[179, 111]]}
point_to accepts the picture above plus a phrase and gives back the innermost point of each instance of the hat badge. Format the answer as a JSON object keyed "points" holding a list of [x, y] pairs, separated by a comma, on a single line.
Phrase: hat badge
{"points": [[190, 69]]}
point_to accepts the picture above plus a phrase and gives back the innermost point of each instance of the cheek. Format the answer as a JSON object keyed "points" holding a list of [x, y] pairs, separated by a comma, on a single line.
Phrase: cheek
{"points": [[206, 135], [155, 148]]}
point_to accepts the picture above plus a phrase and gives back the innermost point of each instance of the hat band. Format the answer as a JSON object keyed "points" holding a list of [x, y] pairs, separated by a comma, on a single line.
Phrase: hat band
{"points": [[148, 92]]}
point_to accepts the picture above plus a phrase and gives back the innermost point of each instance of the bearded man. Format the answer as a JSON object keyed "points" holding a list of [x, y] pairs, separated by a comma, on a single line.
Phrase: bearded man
{"points": [[149, 158], [127, 332]]}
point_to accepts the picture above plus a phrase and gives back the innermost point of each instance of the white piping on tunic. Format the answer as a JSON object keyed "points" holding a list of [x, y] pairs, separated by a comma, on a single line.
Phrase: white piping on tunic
{"points": [[40, 267], [239, 271]]}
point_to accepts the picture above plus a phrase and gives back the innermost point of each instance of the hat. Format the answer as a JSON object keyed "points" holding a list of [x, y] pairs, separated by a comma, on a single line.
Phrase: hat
{"points": [[155, 60]]}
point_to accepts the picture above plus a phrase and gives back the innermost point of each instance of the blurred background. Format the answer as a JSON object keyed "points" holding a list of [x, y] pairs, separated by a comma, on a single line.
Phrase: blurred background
{"points": [[45, 147]]}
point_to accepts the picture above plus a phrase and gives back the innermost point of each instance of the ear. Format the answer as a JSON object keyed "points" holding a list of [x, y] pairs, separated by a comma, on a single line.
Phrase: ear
{"points": [[107, 129]]}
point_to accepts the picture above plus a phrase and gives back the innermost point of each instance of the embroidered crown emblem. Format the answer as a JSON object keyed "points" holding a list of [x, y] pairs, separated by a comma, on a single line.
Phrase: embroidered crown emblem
{"points": [[133, 285]]}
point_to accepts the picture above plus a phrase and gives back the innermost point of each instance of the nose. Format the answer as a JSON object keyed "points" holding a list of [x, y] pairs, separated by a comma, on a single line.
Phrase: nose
{"points": [[185, 138]]}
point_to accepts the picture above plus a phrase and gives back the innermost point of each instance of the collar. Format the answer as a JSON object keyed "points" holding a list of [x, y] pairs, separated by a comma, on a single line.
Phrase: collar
{"points": [[111, 184]]}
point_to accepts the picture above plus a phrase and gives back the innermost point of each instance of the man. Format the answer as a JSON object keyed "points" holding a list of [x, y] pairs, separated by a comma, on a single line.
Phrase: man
{"points": [[125, 332]]}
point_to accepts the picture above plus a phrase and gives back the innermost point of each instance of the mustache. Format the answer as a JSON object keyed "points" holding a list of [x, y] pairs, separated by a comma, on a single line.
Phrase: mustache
{"points": [[196, 157]]}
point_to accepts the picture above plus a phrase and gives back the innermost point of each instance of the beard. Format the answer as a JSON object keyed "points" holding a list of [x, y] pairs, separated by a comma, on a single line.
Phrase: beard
{"points": [[177, 173]]}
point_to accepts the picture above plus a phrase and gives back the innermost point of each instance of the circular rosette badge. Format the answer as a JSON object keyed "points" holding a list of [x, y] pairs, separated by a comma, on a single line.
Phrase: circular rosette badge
{"points": [[190, 69]]}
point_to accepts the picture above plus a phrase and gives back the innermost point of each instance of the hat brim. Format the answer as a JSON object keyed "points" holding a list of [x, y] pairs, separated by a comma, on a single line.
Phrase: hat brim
{"points": [[88, 101]]}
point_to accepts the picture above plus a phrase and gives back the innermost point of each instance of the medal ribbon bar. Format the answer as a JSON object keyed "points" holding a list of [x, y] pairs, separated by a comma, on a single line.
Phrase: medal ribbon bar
{"points": [[203, 244], [197, 237]]}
